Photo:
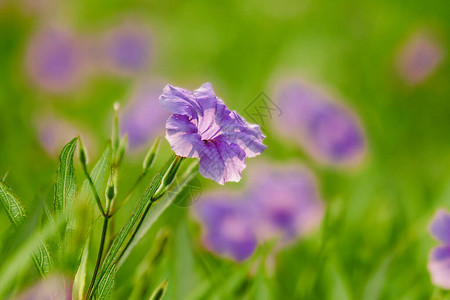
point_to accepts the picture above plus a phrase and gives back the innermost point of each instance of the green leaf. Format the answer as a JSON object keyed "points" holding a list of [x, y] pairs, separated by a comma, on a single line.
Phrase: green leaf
{"points": [[80, 277], [65, 189], [159, 292], [125, 234], [106, 284], [16, 212], [42, 260], [159, 208], [14, 208], [14, 266], [97, 175]]}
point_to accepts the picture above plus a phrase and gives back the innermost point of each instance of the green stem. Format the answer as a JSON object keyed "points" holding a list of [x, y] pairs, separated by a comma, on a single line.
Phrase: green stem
{"points": [[99, 257]]}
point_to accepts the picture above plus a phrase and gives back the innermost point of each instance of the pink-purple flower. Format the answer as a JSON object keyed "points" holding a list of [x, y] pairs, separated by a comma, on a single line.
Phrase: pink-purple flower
{"points": [[439, 261], [202, 126], [55, 60], [280, 202], [227, 228], [143, 118], [419, 58], [325, 128]]}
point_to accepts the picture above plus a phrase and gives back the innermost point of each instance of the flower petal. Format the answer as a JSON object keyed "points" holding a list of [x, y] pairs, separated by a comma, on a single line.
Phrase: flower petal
{"points": [[439, 266], [247, 136], [440, 226], [222, 162], [180, 101], [183, 137]]}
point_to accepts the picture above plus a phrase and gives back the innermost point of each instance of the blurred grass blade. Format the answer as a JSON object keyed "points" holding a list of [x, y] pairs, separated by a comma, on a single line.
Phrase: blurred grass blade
{"points": [[124, 235], [18, 262], [16, 212], [80, 277], [65, 189], [42, 260], [150, 156], [159, 208], [159, 292], [14, 208], [106, 284]]}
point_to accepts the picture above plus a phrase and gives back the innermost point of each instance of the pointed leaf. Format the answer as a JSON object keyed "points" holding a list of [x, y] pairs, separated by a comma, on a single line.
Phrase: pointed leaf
{"points": [[97, 175], [159, 292], [65, 189], [106, 284], [14, 208], [80, 277], [42, 260]]}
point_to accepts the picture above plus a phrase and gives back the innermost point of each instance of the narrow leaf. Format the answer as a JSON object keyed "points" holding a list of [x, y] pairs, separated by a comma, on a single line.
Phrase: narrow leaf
{"points": [[159, 292], [80, 277], [14, 208], [65, 189], [159, 208], [42, 259], [125, 232], [106, 284], [16, 212]]}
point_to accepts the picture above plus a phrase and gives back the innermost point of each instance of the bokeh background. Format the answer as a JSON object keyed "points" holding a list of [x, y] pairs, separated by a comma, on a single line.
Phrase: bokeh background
{"points": [[383, 65]]}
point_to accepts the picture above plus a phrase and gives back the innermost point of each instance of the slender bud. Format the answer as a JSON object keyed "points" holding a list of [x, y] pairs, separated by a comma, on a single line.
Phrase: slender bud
{"points": [[82, 152], [168, 177], [115, 132], [160, 291], [122, 147], [150, 156]]}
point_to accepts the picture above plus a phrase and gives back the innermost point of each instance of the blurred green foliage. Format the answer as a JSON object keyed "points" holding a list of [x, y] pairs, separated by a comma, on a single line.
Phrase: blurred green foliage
{"points": [[373, 243]]}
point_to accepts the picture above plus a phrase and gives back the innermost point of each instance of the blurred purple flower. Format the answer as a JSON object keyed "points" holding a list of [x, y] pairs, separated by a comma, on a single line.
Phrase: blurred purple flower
{"points": [[285, 201], [202, 126], [227, 228], [52, 288], [419, 58], [439, 261], [54, 60], [54, 133], [326, 129], [143, 117], [280, 202], [127, 49]]}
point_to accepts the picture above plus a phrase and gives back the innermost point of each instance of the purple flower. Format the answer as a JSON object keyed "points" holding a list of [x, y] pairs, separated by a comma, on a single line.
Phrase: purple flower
{"points": [[202, 126], [327, 130], [419, 57], [227, 229], [127, 49], [52, 288], [439, 261], [143, 117], [54, 60], [53, 133], [285, 201]]}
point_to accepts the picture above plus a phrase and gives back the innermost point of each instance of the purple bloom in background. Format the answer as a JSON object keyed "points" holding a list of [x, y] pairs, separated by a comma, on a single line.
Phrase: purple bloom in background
{"points": [[285, 201], [202, 126], [326, 129], [52, 288], [439, 261], [54, 60], [280, 202], [227, 229], [127, 49], [53, 133], [143, 118], [419, 58]]}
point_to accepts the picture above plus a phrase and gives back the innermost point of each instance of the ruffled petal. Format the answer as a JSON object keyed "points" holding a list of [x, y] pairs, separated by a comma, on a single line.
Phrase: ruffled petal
{"points": [[439, 266], [222, 162], [183, 137], [180, 101], [247, 136], [440, 226]]}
